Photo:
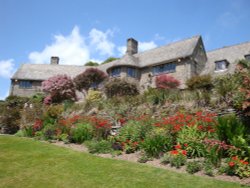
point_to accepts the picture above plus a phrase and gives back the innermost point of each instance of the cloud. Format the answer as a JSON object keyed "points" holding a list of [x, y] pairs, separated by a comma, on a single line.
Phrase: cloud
{"points": [[142, 46], [7, 68], [76, 49], [100, 41], [71, 49]]}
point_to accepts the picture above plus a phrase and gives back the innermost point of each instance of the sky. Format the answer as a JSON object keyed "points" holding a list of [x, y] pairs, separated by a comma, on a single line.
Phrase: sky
{"points": [[31, 31]]}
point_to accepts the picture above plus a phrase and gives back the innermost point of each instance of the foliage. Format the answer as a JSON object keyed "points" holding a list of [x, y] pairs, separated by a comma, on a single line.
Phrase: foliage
{"points": [[11, 115], [216, 150], [102, 146], [193, 167], [176, 158], [91, 63], [110, 59], [191, 137], [59, 88], [166, 82], [102, 127], [94, 96], [132, 134], [156, 142], [243, 93], [239, 167], [226, 87], [200, 82], [91, 77], [120, 87], [231, 130], [160, 96], [144, 158], [81, 133], [49, 132], [52, 114], [208, 168]]}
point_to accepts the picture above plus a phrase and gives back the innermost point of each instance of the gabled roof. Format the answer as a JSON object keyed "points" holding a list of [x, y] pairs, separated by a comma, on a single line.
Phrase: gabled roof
{"points": [[230, 53], [45, 71], [167, 53]]}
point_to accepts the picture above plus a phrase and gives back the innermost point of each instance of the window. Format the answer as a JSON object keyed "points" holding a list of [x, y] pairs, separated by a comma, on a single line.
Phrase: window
{"points": [[115, 72], [247, 57], [221, 65], [25, 84], [131, 72], [165, 68]]}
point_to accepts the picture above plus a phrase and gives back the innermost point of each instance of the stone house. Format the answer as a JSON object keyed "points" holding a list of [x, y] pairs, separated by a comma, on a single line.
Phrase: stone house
{"points": [[182, 60]]}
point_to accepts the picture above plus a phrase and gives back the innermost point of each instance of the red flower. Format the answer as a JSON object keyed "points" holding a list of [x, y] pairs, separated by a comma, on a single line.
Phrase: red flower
{"points": [[242, 161], [231, 164], [174, 152], [235, 158], [245, 163], [177, 146], [186, 145], [184, 152]]}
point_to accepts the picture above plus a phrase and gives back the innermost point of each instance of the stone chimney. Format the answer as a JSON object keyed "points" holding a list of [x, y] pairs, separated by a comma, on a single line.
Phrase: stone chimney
{"points": [[54, 60], [132, 46]]}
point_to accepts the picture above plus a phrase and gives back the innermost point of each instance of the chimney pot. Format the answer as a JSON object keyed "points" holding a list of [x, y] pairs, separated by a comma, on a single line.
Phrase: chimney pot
{"points": [[132, 46], [54, 60]]}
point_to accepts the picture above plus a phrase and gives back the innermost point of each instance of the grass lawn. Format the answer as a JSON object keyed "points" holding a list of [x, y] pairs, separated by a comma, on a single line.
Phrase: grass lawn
{"points": [[29, 163]]}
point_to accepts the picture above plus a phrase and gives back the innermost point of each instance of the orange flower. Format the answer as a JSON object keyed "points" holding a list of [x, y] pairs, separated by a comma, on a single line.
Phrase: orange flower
{"points": [[184, 152], [174, 152], [235, 158], [177, 146], [231, 164]]}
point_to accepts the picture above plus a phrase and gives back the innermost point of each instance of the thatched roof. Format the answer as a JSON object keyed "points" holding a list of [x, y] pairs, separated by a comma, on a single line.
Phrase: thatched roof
{"points": [[229, 53]]}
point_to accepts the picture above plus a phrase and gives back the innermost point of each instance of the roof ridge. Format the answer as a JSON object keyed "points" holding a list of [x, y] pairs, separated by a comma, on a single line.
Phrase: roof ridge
{"points": [[239, 44], [182, 40]]}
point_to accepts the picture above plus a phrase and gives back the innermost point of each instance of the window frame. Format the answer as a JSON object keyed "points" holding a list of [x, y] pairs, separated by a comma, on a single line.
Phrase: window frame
{"points": [[113, 72], [133, 72], [218, 66], [25, 84], [247, 57], [164, 68]]}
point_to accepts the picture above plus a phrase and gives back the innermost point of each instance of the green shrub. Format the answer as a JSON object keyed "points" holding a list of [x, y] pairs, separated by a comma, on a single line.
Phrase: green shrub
{"points": [[192, 137], [200, 82], [102, 146], [231, 130], [49, 132], [208, 168], [120, 87], [175, 158], [193, 167], [64, 137], [156, 143], [20, 133], [94, 96], [81, 133]]}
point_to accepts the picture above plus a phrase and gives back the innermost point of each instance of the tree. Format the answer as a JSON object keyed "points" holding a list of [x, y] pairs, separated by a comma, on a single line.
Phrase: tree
{"points": [[90, 77], [109, 60], [60, 87], [166, 82], [91, 63]]}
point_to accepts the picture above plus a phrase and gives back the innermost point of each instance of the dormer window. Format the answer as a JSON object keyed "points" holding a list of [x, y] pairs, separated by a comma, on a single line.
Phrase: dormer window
{"points": [[115, 72], [247, 57], [221, 65]]}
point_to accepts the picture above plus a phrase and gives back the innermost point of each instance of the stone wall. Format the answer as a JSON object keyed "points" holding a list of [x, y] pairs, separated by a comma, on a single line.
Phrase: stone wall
{"points": [[25, 92]]}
